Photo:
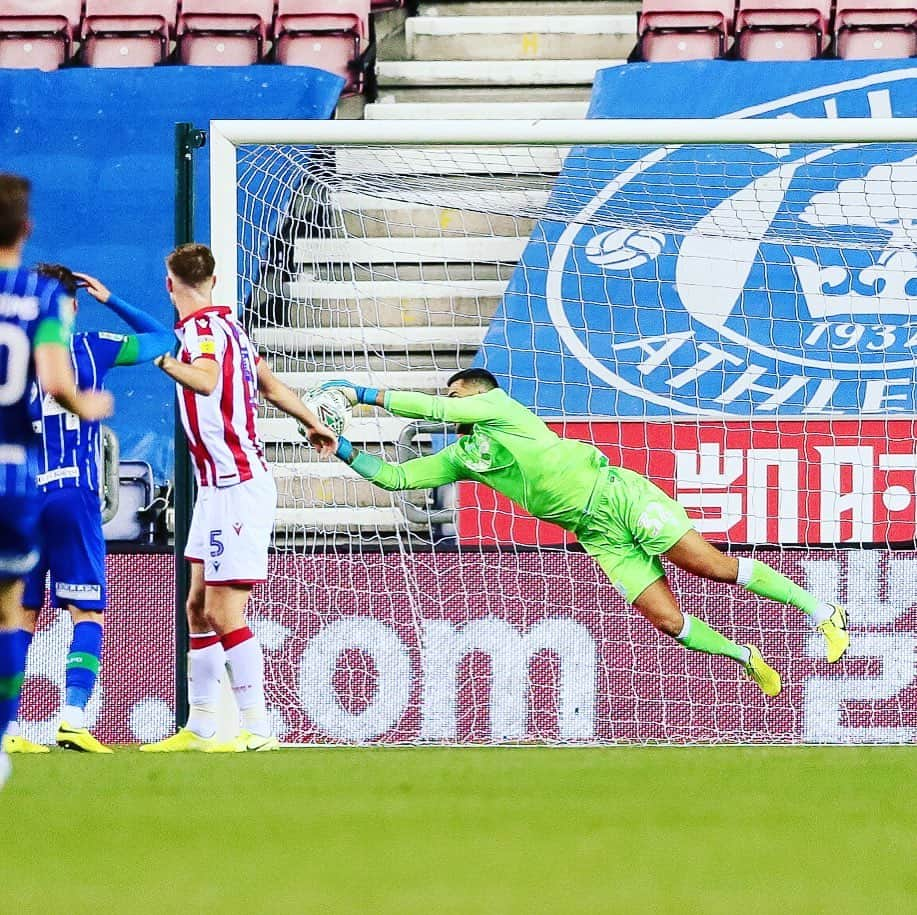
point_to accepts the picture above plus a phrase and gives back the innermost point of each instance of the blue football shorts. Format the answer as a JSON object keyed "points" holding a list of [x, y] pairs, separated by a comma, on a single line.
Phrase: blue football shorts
{"points": [[72, 550], [18, 535]]}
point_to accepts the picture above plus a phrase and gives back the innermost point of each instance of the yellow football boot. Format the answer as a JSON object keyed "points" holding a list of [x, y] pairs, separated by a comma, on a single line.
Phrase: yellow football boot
{"points": [[19, 744], [79, 739], [247, 742], [837, 638], [762, 673], [184, 741]]}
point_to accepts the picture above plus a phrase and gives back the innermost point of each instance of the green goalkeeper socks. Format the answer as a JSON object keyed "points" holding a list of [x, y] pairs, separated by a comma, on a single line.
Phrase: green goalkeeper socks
{"points": [[764, 581], [698, 636]]}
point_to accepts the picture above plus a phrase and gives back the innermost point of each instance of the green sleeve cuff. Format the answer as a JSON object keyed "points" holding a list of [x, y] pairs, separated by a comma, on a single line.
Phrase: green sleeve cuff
{"points": [[52, 331], [129, 352], [367, 465]]}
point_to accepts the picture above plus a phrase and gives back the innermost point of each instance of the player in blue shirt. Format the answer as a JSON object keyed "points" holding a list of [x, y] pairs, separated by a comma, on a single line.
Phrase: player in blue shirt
{"points": [[34, 331], [70, 520]]}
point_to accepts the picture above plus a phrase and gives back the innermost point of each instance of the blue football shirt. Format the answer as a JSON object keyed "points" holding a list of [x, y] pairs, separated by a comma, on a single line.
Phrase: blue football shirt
{"points": [[69, 446], [26, 300]]}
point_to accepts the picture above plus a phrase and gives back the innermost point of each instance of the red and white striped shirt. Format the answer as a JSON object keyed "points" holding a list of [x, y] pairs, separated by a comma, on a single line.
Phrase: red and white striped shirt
{"points": [[220, 426]]}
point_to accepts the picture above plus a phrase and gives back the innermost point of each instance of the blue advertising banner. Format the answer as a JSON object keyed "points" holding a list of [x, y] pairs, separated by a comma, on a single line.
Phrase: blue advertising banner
{"points": [[724, 281], [98, 146]]}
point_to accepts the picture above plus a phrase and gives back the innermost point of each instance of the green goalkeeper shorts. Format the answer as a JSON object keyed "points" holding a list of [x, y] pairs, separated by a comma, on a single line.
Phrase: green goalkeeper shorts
{"points": [[628, 523]]}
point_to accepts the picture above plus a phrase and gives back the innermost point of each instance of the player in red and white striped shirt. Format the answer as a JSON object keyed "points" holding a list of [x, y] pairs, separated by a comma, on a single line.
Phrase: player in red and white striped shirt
{"points": [[219, 376]]}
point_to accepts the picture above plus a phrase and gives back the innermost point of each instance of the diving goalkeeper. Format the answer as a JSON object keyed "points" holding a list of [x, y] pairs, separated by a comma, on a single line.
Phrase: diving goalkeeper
{"points": [[621, 519]]}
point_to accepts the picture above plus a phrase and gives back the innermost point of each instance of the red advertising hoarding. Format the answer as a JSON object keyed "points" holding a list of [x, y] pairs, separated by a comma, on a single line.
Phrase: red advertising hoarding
{"points": [[499, 646], [745, 481]]}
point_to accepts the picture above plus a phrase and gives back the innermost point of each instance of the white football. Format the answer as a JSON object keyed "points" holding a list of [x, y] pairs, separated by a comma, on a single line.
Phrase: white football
{"points": [[331, 407]]}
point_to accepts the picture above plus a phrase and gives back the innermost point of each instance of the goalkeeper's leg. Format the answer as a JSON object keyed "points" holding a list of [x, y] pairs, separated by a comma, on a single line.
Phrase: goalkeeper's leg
{"points": [[658, 604], [694, 554]]}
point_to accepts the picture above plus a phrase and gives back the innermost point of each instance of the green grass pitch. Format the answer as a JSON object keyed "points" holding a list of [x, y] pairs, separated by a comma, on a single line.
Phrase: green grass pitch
{"points": [[483, 830]]}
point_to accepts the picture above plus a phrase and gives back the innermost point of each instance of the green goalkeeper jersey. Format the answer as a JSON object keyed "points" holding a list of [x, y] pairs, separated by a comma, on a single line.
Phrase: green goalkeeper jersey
{"points": [[509, 449]]}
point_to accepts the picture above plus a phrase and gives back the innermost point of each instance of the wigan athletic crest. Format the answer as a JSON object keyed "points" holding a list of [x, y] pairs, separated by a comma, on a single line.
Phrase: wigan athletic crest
{"points": [[767, 280]]}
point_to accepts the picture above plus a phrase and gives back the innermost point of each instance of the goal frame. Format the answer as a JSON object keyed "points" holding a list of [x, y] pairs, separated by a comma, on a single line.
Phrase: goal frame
{"points": [[226, 135]]}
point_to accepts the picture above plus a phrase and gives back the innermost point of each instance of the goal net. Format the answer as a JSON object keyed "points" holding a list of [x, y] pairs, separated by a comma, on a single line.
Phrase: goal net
{"points": [[724, 306]]}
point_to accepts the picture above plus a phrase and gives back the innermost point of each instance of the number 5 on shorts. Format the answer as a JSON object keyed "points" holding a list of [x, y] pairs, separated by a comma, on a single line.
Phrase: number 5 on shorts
{"points": [[216, 546]]}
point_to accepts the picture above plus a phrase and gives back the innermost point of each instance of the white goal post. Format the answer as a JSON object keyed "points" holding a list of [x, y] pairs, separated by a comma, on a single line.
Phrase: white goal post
{"points": [[727, 306]]}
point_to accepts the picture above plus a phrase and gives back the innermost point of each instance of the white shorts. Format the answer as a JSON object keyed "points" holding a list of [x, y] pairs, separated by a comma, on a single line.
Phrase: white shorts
{"points": [[231, 531]]}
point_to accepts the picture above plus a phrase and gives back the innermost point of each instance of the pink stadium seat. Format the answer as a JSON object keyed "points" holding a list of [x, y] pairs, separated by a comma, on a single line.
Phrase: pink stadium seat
{"points": [[875, 28], [684, 29], [37, 34], [128, 33], [216, 33], [329, 34], [782, 29]]}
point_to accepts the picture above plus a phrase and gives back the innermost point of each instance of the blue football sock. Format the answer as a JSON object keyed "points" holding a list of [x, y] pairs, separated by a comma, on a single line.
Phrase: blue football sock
{"points": [[12, 667], [83, 663]]}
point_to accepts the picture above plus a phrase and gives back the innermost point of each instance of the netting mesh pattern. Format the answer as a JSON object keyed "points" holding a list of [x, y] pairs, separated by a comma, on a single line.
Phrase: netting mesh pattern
{"points": [[481, 647]]}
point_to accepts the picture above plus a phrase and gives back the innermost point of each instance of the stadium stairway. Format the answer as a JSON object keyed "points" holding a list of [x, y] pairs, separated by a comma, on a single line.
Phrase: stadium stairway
{"points": [[397, 290]]}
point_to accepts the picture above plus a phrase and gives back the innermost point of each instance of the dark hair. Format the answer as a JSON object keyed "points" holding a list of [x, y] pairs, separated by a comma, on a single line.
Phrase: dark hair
{"points": [[193, 264], [480, 377], [64, 275], [14, 208]]}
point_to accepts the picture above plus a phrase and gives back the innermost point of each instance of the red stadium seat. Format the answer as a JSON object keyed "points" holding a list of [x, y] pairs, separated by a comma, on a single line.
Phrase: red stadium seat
{"points": [[875, 28], [782, 29], [329, 34], [37, 34], [211, 35], [684, 29], [128, 33]]}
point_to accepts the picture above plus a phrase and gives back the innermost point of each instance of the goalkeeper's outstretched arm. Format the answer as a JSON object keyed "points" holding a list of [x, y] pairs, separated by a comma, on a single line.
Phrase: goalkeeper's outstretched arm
{"points": [[414, 405]]}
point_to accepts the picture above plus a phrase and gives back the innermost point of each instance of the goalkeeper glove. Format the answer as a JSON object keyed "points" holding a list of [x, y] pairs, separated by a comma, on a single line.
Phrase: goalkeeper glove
{"points": [[354, 393]]}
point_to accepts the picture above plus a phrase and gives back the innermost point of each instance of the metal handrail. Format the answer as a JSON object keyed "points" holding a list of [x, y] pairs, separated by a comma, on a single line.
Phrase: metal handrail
{"points": [[405, 450]]}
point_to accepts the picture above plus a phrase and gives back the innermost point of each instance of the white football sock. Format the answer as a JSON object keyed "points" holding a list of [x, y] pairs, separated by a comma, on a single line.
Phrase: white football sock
{"points": [[74, 716], [13, 729], [205, 673], [245, 663], [822, 612]]}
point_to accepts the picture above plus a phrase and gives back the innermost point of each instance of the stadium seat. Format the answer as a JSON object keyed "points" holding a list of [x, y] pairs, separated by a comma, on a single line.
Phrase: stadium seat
{"points": [[782, 29], [378, 6], [37, 34], [329, 34], [128, 33], [875, 28], [209, 34], [684, 29]]}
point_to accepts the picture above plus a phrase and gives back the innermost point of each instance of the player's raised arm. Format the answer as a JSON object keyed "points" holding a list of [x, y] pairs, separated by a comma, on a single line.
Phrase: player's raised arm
{"points": [[152, 339], [278, 394]]}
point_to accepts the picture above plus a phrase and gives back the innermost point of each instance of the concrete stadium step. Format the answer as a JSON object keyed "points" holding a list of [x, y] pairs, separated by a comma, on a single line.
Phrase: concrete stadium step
{"points": [[312, 521], [337, 492], [360, 429], [526, 7], [351, 250], [496, 73], [480, 111], [344, 290], [485, 94], [455, 160], [529, 37], [388, 303], [440, 211], [429, 381], [347, 339], [414, 95]]}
